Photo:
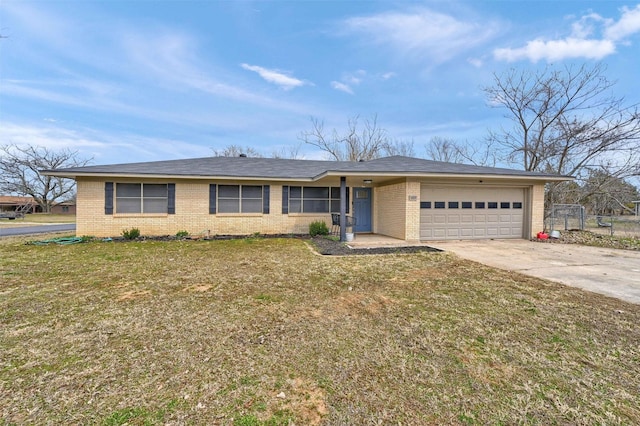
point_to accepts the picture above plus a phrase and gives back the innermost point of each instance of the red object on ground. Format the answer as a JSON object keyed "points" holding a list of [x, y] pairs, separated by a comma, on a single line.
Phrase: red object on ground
{"points": [[542, 236]]}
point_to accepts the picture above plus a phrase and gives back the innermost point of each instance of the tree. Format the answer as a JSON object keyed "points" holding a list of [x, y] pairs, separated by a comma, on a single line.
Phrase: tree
{"points": [[356, 143], [20, 170], [606, 195], [290, 152], [399, 147], [236, 150], [566, 122], [451, 151], [353, 145]]}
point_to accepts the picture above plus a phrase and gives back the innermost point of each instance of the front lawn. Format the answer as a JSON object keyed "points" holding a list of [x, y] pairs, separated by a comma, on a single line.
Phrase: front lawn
{"points": [[264, 331]]}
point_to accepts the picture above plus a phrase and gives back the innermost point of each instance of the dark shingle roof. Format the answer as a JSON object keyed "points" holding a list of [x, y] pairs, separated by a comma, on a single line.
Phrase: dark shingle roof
{"points": [[272, 168]]}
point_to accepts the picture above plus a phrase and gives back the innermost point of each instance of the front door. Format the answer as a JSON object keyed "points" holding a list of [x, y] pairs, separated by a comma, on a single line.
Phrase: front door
{"points": [[362, 209]]}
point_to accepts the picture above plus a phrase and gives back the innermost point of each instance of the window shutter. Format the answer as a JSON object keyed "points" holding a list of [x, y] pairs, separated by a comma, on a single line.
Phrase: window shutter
{"points": [[265, 199], [285, 199], [212, 198], [171, 198], [108, 198]]}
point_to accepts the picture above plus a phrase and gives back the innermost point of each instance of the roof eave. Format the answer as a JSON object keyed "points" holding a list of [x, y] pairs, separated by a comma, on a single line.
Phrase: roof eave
{"points": [[171, 176], [544, 178]]}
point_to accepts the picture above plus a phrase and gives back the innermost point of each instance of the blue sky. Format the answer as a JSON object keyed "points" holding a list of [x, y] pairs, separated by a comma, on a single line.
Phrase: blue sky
{"points": [[144, 80]]}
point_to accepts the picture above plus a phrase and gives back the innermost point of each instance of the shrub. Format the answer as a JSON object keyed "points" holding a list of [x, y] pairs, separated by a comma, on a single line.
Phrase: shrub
{"points": [[131, 234], [318, 228], [182, 234]]}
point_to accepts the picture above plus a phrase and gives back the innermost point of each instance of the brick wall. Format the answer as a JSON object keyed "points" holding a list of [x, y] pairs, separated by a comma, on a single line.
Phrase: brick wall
{"points": [[537, 209], [390, 210], [412, 214], [192, 214]]}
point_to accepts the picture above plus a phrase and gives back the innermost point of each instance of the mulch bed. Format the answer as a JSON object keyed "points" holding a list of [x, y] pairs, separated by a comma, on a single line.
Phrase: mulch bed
{"points": [[323, 245], [329, 247]]}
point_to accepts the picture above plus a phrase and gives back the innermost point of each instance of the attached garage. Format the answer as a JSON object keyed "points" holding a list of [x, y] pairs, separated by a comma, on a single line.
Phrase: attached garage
{"points": [[471, 212]]}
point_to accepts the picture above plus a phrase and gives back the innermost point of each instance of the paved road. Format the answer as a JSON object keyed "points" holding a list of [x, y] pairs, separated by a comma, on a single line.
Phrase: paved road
{"points": [[606, 271], [38, 229]]}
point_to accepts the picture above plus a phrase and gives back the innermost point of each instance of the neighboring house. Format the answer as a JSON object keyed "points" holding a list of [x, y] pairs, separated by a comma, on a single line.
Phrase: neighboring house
{"points": [[66, 207], [10, 203], [407, 198]]}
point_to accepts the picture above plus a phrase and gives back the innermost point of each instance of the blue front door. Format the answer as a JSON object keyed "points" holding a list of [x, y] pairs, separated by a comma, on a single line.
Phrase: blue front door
{"points": [[362, 209]]}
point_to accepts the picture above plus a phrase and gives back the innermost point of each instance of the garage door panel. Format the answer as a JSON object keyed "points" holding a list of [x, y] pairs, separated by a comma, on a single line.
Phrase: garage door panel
{"points": [[466, 218], [439, 219], [466, 232], [471, 213], [453, 219]]}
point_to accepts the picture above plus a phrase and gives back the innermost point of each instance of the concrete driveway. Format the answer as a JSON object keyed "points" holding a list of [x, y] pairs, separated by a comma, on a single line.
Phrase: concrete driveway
{"points": [[610, 272]]}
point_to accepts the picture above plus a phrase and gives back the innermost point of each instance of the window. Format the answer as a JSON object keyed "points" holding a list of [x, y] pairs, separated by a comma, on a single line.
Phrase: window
{"points": [[517, 205], [505, 205], [467, 204], [313, 199], [492, 205], [142, 198], [454, 204], [479, 204], [439, 204], [65, 209], [425, 204], [240, 199]]}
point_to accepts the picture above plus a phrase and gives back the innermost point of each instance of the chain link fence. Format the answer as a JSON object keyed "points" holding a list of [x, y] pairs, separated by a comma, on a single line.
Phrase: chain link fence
{"points": [[572, 217], [620, 226]]}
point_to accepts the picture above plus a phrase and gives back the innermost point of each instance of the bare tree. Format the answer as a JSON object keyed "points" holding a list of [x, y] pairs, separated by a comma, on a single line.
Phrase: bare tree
{"points": [[20, 170], [354, 144], [399, 147], [290, 152], [236, 150], [566, 121], [606, 195], [451, 151]]}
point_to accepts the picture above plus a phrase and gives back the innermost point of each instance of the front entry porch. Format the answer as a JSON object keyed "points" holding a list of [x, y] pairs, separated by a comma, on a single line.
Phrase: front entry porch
{"points": [[379, 240]]}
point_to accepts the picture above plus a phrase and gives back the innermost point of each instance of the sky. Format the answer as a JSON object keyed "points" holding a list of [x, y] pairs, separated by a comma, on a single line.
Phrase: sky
{"points": [[126, 81]]}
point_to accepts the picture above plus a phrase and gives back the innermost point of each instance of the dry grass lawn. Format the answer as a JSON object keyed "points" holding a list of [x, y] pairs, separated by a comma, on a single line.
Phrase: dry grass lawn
{"points": [[264, 331]]}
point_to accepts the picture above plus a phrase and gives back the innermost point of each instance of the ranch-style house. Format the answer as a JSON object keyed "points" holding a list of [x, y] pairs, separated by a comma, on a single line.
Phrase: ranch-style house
{"points": [[407, 198]]}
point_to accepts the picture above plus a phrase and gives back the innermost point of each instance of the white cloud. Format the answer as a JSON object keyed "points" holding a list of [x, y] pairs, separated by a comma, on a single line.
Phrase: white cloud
{"points": [[388, 75], [592, 37], [424, 34], [99, 145], [342, 87], [555, 50], [274, 76], [628, 24], [476, 62]]}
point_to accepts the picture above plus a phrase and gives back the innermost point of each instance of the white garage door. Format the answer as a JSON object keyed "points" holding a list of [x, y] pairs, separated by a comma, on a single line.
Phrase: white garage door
{"points": [[462, 213]]}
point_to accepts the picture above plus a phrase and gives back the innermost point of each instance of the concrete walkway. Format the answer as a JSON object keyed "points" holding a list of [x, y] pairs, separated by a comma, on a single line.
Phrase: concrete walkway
{"points": [[610, 272]]}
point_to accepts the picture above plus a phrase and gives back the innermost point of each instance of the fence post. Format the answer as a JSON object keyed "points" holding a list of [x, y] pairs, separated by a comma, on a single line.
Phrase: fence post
{"points": [[611, 221]]}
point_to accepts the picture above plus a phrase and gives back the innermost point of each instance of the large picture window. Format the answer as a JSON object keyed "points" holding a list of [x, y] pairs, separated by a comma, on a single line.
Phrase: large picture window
{"points": [[240, 199], [142, 198], [314, 199]]}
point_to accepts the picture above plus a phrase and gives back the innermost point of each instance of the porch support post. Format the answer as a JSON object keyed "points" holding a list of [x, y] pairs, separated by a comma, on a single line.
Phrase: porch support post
{"points": [[343, 208]]}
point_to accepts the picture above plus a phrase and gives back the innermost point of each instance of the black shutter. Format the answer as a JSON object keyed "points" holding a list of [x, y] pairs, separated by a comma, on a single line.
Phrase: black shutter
{"points": [[285, 200], [108, 198], [265, 199], [212, 198], [171, 198]]}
